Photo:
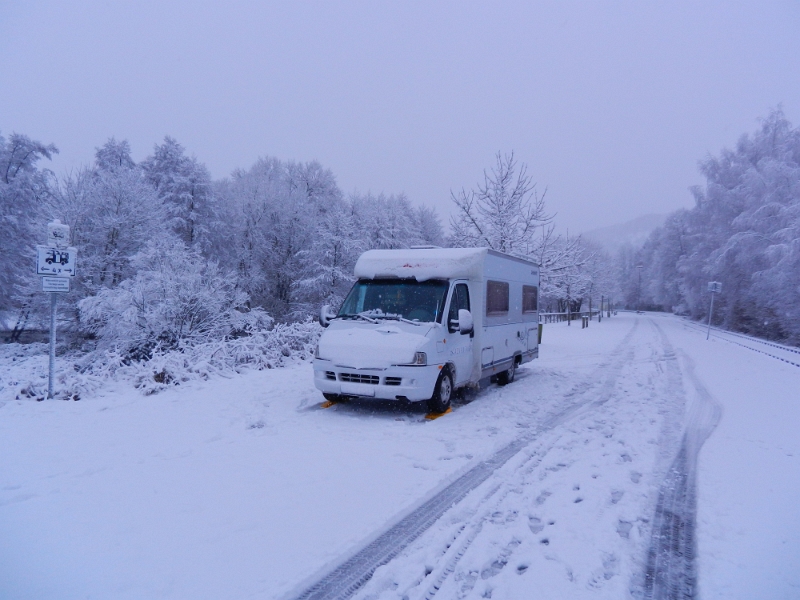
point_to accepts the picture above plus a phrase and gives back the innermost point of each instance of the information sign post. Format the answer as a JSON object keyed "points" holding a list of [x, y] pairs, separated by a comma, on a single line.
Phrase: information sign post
{"points": [[55, 263], [715, 287]]}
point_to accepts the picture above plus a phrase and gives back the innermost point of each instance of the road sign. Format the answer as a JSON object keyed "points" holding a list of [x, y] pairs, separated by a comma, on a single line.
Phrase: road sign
{"points": [[55, 284], [57, 234], [57, 262]]}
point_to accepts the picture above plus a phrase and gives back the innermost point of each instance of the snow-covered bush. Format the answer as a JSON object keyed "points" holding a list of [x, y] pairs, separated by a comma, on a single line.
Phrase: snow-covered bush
{"points": [[260, 350], [79, 375], [176, 299]]}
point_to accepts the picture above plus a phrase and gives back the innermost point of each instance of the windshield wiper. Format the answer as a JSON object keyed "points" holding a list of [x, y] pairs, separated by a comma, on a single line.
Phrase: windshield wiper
{"points": [[363, 315], [372, 317], [399, 318], [357, 316]]}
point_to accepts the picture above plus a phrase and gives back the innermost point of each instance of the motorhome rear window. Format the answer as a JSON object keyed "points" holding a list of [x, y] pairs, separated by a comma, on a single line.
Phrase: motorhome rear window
{"points": [[496, 298], [530, 302], [410, 299]]}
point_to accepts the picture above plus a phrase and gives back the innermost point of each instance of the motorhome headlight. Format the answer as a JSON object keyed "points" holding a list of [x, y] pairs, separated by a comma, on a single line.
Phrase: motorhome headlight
{"points": [[420, 359]]}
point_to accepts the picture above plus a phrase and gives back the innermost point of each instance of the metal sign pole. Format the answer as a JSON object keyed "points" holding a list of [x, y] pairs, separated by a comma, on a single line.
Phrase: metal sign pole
{"points": [[53, 297], [56, 264], [715, 287], [711, 310]]}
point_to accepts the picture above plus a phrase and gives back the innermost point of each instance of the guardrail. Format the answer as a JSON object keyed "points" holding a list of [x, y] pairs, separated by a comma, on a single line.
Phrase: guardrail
{"points": [[558, 317]]}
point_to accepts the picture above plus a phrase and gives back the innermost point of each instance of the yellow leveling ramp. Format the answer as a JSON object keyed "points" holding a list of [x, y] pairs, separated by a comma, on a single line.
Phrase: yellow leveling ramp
{"points": [[432, 416]]}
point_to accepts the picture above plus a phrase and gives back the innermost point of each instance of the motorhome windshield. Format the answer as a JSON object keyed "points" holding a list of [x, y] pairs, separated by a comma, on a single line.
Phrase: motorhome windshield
{"points": [[410, 299]]}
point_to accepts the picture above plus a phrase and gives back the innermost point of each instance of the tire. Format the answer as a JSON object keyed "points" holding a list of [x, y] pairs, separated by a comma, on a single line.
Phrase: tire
{"points": [[442, 393], [508, 376]]}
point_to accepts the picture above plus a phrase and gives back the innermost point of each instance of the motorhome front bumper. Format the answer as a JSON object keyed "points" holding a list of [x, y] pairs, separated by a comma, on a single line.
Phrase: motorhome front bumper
{"points": [[392, 383]]}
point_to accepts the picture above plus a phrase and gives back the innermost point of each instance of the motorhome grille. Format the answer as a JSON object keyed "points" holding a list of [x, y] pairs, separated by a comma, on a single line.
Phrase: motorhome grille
{"points": [[359, 378], [330, 375], [393, 380]]}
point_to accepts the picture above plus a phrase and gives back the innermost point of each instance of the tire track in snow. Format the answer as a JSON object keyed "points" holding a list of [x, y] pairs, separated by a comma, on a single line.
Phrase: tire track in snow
{"points": [[671, 571], [722, 335], [349, 576]]}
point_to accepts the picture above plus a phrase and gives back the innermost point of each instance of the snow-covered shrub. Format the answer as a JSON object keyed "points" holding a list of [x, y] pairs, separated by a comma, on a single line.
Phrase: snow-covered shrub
{"points": [[80, 375], [260, 350], [176, 299], [24, 374]]}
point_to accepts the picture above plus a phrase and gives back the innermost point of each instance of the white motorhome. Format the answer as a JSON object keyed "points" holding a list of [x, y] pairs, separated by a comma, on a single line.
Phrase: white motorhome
{"points": [[422, 323]]}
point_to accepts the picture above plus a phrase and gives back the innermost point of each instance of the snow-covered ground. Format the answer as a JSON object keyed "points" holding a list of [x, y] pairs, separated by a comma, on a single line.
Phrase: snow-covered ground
{"points": [[244, 487]]}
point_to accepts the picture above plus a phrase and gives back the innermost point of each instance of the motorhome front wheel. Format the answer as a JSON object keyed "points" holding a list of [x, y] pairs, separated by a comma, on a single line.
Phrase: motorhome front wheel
{"points": [[440, 401]]}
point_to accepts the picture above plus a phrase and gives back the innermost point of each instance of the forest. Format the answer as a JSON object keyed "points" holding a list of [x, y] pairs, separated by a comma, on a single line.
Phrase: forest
{"points": [[743, 231], [171, 259]]}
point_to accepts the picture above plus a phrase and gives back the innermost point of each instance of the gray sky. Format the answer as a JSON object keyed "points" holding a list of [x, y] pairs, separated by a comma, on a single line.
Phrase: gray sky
{"points": [[611, 104]]}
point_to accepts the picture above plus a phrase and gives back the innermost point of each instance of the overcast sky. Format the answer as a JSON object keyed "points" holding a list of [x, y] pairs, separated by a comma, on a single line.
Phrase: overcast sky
{"points": [[611, 104]]}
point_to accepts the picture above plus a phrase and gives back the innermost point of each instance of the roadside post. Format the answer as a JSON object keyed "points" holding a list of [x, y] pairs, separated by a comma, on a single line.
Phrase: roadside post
{"points": [[639, 289], [55, 264], [715, 287]]}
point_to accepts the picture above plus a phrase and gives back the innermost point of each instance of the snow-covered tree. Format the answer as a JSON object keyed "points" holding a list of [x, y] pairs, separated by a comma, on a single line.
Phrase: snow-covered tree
{"points": [[429, 226], [175, 298], [505, 212], [327, 266], [184, 185], [271, 213], [25, 191], [113, 212], [744, 231]]}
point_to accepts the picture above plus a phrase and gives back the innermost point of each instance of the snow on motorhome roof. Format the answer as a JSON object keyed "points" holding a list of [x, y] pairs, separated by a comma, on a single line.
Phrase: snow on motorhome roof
{"points": [[424, 264]]}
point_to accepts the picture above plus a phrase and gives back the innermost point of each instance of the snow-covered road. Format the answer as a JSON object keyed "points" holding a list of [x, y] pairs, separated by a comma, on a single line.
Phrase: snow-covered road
{"points": [[245, 488]]}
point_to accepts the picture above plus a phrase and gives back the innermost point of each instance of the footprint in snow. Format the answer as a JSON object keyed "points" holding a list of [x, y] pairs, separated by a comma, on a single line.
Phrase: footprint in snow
{"points": [[535, 523], [635, 476], [500, 562], [624, 529], [467, 581], [616, 496], [542, 497], [499, 518], [610, 568]]}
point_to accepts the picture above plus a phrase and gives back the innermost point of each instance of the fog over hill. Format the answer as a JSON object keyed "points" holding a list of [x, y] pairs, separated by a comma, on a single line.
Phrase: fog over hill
{"points": [[633, 232]]}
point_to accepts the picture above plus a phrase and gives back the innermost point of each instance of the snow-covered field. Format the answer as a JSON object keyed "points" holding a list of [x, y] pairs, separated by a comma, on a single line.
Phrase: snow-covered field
{"points": [[244, 487]]}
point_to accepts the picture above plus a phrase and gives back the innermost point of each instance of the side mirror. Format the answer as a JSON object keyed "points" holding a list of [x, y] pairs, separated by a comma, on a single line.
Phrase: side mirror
{"points": [[325, 315], [465, 322]]}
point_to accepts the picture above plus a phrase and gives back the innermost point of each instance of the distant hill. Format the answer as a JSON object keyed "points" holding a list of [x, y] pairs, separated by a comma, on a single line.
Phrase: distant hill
{"points": [[634, 232]]}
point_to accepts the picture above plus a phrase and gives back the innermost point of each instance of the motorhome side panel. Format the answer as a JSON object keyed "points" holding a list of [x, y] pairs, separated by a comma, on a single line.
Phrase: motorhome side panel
{"points": [[506, 323]]}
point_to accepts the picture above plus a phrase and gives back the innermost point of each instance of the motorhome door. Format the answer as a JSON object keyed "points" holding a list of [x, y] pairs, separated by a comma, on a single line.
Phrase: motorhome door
{"points": [[458, 346]]}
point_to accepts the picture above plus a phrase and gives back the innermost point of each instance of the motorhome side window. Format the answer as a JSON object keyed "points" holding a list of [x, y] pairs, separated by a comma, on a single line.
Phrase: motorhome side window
{"points": [[530, 302], [496, 298], [459, 300]]}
